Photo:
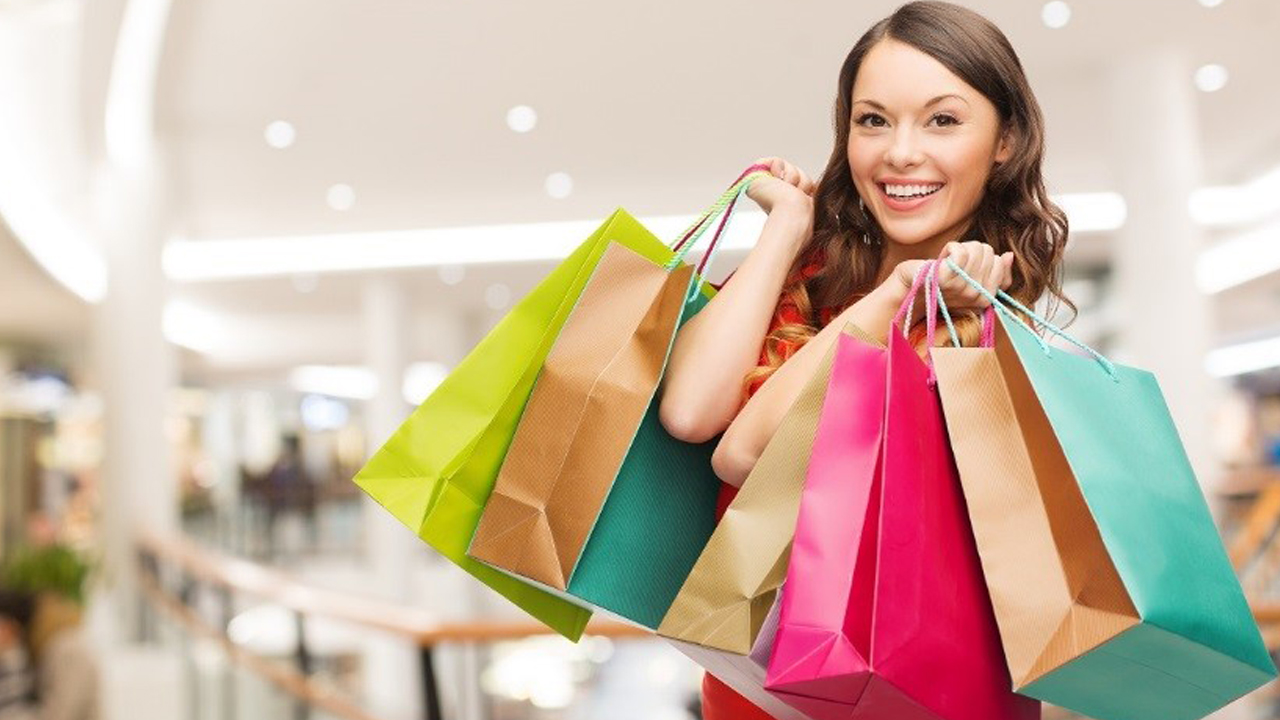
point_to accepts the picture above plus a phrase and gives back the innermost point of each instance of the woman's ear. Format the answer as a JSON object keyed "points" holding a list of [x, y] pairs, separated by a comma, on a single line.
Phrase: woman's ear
{"points": [[1005, 149]]}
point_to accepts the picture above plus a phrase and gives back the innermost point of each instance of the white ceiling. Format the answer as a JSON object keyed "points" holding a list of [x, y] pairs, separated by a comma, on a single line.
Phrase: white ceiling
{"points": [[34, 309], [653, 106]]}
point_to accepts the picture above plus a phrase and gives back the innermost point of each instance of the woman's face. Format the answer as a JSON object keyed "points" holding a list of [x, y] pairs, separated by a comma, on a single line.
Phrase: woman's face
{"points": [[918, 128]]}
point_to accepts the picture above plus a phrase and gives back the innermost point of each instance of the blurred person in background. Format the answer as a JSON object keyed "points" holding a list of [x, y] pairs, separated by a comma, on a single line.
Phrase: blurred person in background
{"points": [[47, 669], [288, 489]]}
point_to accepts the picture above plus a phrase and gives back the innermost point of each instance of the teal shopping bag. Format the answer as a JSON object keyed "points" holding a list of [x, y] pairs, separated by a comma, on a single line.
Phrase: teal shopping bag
{"points": [[1193, 646], [655, 522]]}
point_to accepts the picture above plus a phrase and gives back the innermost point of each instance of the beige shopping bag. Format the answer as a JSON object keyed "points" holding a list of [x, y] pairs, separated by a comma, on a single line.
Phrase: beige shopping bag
{"points": [[746, 673], [729, 592], [1054, 588], [593, 391]]}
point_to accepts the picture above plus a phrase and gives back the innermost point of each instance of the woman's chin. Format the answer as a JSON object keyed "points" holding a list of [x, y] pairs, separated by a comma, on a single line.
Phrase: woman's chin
{"points": [[910, 239]]}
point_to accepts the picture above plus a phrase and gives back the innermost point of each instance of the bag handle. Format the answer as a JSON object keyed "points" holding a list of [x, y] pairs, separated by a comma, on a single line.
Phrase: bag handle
{"points": [[711, 211], [1002, 301], [724, 207], [926, 278]]}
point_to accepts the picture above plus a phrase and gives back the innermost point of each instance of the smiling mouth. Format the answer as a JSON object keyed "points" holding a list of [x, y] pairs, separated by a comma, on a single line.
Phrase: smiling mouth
{"points": [[907, 198]]}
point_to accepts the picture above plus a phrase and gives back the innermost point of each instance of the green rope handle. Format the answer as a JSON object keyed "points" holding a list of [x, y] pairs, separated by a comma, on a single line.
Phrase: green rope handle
{"points": [[1002, 298], [703, 222]]}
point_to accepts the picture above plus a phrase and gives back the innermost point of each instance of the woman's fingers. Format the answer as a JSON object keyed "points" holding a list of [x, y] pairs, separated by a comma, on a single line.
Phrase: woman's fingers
{"points": [[803, 182], [789, 173], [988, 272], [1006, 280]]}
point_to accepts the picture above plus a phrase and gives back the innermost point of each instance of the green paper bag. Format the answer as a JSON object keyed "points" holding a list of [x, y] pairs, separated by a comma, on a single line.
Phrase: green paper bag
{"points": [[436, 472]]}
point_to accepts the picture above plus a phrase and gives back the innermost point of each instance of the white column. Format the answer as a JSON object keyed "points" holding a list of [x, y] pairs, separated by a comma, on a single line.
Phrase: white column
{"points": [[1165, 321], [392, 678], [136, 369]]}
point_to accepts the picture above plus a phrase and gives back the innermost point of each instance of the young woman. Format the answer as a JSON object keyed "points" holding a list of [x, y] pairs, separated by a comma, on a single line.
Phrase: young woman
{"points": [[939, 145]]}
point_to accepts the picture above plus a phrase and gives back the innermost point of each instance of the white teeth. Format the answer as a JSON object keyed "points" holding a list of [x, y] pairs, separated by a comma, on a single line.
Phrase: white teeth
{"points": [[910, 190]]}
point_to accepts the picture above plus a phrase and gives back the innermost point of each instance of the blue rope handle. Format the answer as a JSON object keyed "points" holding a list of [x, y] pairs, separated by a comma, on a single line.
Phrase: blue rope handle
{"points": [[1002, 298], [946, 314]]}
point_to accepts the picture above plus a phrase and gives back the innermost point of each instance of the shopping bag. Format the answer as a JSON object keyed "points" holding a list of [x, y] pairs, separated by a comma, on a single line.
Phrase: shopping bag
{"points": [[653, 526], [435, 473], [886, 613], [745, 674], [728, 593], [591, 425], [1113, 592]]}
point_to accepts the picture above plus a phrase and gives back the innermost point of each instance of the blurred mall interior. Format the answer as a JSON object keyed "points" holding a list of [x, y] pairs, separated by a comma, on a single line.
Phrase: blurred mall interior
{"points": [[243, 239]]}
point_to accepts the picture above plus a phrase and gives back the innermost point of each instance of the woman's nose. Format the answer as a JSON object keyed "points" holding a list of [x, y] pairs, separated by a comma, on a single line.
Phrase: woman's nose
{"points": [[904, 151]]}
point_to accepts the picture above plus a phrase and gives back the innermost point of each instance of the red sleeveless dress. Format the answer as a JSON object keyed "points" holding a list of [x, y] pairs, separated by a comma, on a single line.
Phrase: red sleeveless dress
{"points": [[719, 701]]}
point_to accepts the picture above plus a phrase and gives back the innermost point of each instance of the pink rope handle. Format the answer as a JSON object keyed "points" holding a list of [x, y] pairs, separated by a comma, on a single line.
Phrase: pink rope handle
{"points": [[931, 306], [707, 216], [909, 300], [989, 327]]}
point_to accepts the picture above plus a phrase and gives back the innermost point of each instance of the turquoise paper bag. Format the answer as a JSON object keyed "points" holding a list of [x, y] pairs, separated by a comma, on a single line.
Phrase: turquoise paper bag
{"points": [[1194, 646]]}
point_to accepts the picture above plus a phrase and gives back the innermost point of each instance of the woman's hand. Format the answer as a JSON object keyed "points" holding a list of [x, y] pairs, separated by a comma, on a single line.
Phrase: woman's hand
{"points": [[788, 186], [978, 260]]}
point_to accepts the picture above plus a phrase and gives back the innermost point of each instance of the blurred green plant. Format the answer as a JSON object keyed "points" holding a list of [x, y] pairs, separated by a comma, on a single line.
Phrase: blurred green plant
{"points": [[52, 568]]}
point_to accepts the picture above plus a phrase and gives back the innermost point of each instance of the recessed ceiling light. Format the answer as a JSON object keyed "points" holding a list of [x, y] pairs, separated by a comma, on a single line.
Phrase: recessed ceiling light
{"points": [[1211, 3], [522, 118], [497, 296], [341, 196], [559, 185], [280, 134], [452, 274], [1211, 78], [1055, 14]]}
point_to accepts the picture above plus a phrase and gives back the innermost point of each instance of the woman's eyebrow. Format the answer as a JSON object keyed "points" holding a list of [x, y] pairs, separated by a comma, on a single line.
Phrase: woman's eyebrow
{"points": [[938, 99]]}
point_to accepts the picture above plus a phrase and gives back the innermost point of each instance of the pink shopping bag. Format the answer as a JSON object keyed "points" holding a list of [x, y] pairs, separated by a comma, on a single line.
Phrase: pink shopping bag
{"points": [[886, 614]]}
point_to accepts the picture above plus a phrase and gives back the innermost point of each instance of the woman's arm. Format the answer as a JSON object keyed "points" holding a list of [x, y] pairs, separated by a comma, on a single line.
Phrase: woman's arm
{"points": [[702, 387], [751, 430]]}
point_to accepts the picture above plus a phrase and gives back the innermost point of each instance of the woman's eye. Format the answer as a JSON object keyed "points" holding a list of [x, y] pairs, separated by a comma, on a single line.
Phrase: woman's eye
{"points": [[865, 116], [943, 119]]}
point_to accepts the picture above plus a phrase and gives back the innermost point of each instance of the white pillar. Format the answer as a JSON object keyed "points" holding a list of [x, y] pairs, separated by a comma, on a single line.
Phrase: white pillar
{"points": [[136, 372], [1165, 321], [392, 678]]}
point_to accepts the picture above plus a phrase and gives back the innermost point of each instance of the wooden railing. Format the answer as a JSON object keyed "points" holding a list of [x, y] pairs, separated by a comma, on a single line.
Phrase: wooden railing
{"points": [[191, 567], [173, 570]]}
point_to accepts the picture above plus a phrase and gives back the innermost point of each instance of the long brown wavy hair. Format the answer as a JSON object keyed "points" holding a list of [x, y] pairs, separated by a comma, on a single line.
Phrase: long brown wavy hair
{"points": [[1015, 212]]}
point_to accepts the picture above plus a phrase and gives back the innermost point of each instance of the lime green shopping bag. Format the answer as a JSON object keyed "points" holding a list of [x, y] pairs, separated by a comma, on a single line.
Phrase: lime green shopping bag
{"points": [[436, 472], [1180, 639]]}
